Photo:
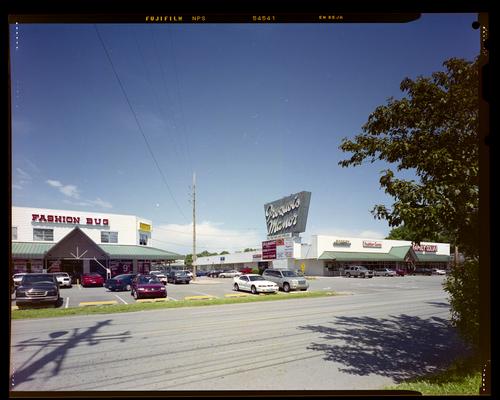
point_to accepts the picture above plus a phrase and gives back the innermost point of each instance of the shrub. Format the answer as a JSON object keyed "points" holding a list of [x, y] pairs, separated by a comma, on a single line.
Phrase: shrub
{"points": [[463, 286]]}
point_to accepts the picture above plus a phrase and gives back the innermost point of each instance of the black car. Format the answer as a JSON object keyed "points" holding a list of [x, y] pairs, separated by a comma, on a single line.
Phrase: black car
{"points": [[214, 273], [422, 271], [38, 289], [120, 282], [178, 277]]}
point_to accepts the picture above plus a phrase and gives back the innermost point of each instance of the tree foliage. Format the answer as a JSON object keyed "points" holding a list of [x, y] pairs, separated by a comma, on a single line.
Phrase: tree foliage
{"points": [[432, 131]]}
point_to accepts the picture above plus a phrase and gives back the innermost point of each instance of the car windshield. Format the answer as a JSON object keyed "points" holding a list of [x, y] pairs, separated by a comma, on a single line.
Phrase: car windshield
{"points": [[65, 275], [148, 279], [180, 273], [27, 279], [256, 278], [289, 273]]}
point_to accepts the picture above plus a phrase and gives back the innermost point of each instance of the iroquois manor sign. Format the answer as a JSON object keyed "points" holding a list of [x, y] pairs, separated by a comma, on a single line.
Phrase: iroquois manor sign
{"points": [[287, 215]]}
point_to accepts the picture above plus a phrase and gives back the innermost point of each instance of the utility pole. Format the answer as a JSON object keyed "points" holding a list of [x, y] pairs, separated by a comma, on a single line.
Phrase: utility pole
{"points": [[194, 225]]}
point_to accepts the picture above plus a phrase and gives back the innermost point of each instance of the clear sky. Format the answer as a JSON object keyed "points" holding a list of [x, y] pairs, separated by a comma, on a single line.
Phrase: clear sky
{"points": [[257, 111]]}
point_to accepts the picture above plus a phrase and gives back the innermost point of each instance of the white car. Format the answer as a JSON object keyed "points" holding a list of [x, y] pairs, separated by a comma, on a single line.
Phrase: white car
{"points": [[436, 271], [229, 274], [254, 283], [160, 275], [63, 279], [18, 277]]}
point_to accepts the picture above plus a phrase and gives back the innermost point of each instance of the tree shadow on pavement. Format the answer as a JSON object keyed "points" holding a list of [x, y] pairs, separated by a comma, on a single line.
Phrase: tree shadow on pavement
{"points": [[61, 342], [400, 347]]}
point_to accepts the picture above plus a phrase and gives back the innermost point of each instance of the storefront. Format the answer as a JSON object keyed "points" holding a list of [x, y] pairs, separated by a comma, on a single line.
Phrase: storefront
{"points": [[330, 255], [77, 243]]}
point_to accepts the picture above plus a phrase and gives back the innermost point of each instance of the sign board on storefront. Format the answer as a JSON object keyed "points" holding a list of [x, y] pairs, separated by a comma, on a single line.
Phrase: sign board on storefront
{"points": [[144, 227], [277, 249], [372, 244], [429, 248], [288, 214], [269, 250]]}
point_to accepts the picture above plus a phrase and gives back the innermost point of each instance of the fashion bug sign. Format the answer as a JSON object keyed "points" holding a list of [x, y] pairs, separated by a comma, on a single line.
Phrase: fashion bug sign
{"points": [[288, 214]]}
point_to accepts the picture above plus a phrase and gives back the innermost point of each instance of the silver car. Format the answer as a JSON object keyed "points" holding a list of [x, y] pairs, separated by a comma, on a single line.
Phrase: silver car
{"points": [[384, 272], [286, 279]]}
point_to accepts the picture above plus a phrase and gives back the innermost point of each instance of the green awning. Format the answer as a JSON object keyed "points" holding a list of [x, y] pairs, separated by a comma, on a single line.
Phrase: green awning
{"points": [[38, 250], [358, 256], [139, 252], [30, 250], [433, 258]]}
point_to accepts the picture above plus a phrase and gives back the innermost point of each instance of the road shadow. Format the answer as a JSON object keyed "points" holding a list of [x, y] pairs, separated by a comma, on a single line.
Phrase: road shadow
{"points": [[401, 347], [61, 342]]}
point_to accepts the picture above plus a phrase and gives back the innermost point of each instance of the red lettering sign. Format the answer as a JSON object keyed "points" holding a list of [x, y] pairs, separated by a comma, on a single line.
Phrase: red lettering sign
{"points": [[34, 217], [89, 221], [67, 219]]}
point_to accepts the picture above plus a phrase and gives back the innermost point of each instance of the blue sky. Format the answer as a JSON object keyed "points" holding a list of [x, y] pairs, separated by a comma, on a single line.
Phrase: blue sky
{"points": [[257, 111]]}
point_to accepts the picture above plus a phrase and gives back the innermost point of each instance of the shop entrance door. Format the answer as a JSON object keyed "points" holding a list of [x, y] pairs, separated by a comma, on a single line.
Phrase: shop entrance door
{"points": [[74, 268]]}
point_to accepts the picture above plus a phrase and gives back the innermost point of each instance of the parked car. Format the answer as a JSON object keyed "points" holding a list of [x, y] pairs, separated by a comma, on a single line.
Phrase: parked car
{"points": [[437, 271], [178, 277], [400, 272], [92, 279], [286, 279], [16, 278], [384, 272], [37, 288], [254, 283], [63, 278], [229, 274], [422, 271], [358, 271], [120, 282], [160, 275], [147, 285], [214, 273], [246, 270], [201, 273], [190, 274]]}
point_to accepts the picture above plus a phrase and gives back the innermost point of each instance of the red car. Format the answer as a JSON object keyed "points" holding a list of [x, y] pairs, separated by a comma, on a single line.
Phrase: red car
{"points": [[92, 279], [400, 272], [148, 286]]}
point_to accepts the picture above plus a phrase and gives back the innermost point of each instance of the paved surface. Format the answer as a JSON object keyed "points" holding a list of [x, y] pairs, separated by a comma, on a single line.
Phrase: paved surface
{"points": [[363, 341], [220, 287]]}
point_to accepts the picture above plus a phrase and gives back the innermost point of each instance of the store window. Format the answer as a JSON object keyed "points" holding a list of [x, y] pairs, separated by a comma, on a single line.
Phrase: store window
{"points": [[14, 233], [109, 237], [46, 235], [143, 239]]}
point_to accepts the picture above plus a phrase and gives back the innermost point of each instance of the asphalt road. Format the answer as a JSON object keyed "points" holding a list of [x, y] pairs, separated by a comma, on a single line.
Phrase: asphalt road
{"points": [[362, 341]]}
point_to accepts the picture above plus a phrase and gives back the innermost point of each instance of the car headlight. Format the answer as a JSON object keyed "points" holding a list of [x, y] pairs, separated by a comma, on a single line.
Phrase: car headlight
{"points": [[141, 289], [163, 288]]}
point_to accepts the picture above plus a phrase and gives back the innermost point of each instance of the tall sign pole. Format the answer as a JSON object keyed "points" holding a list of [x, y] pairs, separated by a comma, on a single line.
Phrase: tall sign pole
{"points": [[194, 225]]}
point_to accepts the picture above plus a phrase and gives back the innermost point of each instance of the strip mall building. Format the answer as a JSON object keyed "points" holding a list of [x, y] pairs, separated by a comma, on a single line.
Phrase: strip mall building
{"points": [[329, 255], [326, 255], [81, 242]]}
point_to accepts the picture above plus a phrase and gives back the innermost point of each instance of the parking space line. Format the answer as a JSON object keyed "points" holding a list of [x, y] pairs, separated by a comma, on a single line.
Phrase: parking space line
{"points": [[67, 302], [171, 298], [79, 287], [123, 301]]}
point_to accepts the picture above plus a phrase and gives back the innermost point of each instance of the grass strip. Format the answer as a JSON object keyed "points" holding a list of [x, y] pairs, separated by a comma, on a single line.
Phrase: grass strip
{"points": [[119, 308], [463, 377]]}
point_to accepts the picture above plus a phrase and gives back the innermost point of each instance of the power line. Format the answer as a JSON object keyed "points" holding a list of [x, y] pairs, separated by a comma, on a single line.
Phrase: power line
{"points": [[137, 121]]}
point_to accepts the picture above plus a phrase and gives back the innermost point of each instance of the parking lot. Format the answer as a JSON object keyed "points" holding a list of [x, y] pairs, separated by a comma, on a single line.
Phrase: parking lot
{"points": [[204, 287]]}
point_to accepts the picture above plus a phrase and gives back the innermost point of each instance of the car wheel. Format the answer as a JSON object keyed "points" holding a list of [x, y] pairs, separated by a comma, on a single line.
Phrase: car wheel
{"points": [[286, 287], [362, 276], [254, 290], [236, 287], [348, 275]]}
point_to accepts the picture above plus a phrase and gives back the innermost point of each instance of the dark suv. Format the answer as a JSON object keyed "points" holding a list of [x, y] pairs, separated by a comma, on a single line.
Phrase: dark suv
{"points": [[36, 289], [178, 277]]}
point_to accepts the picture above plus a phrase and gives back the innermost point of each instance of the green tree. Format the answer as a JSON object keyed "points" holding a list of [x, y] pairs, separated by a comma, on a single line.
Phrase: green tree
{"points": [[432, 131], [404, 232], [248, 249], [224, 252]]}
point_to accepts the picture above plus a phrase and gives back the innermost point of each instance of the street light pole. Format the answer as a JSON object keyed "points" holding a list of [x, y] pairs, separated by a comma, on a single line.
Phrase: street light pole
{"points": [[194, 226]]}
